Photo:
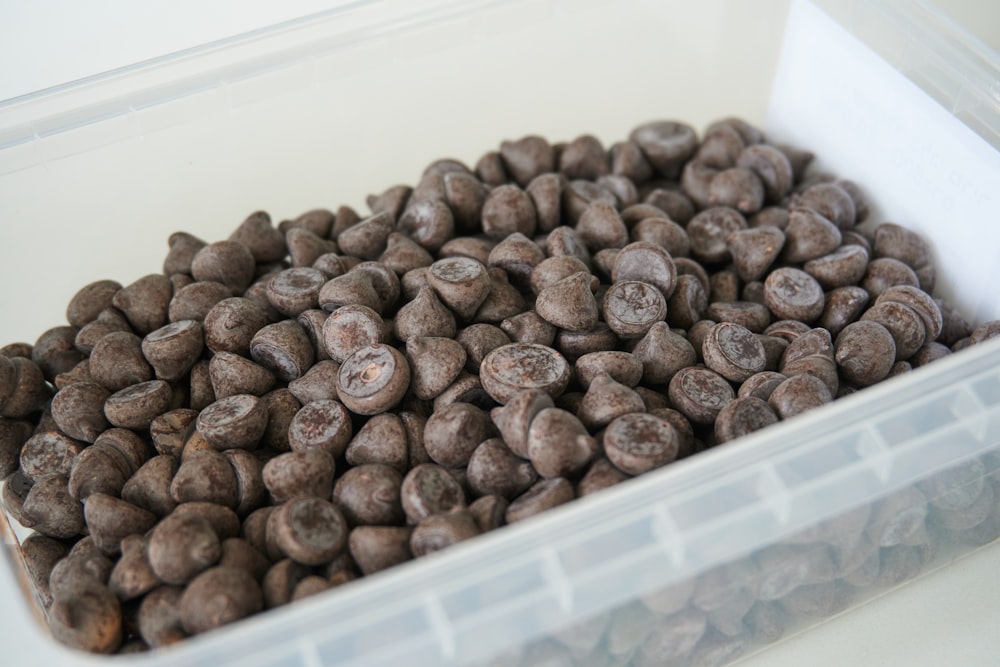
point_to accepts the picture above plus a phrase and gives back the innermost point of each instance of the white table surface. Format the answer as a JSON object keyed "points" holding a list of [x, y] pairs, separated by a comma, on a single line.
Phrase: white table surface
{"points": [[950, 618]]}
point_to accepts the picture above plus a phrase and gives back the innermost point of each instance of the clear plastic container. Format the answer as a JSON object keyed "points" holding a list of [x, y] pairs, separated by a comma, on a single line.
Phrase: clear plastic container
{"points": [[719, 554]]}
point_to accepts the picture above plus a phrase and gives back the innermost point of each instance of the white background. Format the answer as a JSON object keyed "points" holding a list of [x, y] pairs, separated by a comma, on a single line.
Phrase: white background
{"points": [[45, 43]]}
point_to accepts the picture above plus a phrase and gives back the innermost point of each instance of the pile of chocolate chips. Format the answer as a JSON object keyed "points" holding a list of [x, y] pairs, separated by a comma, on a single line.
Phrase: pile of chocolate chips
{"points": [[300, 405]]}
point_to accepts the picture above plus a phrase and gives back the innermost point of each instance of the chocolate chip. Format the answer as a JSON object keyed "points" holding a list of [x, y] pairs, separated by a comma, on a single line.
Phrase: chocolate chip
{"points": [[699, 393], [793, 294], [427, 490], [519, 366], [543, 495], [632, 307], [442, 530], [638, 442], [373, 379], [733, 352], [558, 443]]}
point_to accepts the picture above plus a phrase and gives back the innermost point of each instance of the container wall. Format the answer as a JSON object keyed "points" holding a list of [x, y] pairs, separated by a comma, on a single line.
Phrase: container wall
{"points": [[911, 524]]}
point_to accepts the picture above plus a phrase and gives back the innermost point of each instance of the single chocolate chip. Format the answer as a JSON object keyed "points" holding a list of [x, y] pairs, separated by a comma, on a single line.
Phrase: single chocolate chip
{"points": [[89, 620], [545, 191], [529, 328], [173, 349], [283, 348], [558, 443], [601, 474], [318, 384], [886, 272], [494, 470], [688, 302], [195, 300], [281, 407], [793, 294], [600, 226], [461, 283], [441, 531], [149, 486], [569, 303], [543, 495], [808, 236], [453, 433], [733, 352], [921, 303], [760, 385], [376, 548], [842, 267], [605, 400], [737, 188], [754, 250], [624, 367], [181, 546], [236, 421], [526, 158], [135, 407], [78, 410], [473, 247], [771, 166], [424, 315], [205, 476], [299, 474], [631, 308], [488, 512], [373, 379], [321, 425], [295, 290], [117, 361], [231, 325], [350, 328], [709, 231], [831, 201], [90, 300], [110, 519], [381, 440], [699, 393], [648, 263], [798, 394], [478, 340], [351, 288], [228, 262], [506, 210], [429, 489], [905, 324], [843, 306], [743, 416], [865, 352], [218, 596], [310, 531], [518, 366], [52, 510], [638, 442], [428, 223], [667, 145], [146, 301], [753, 316]]}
